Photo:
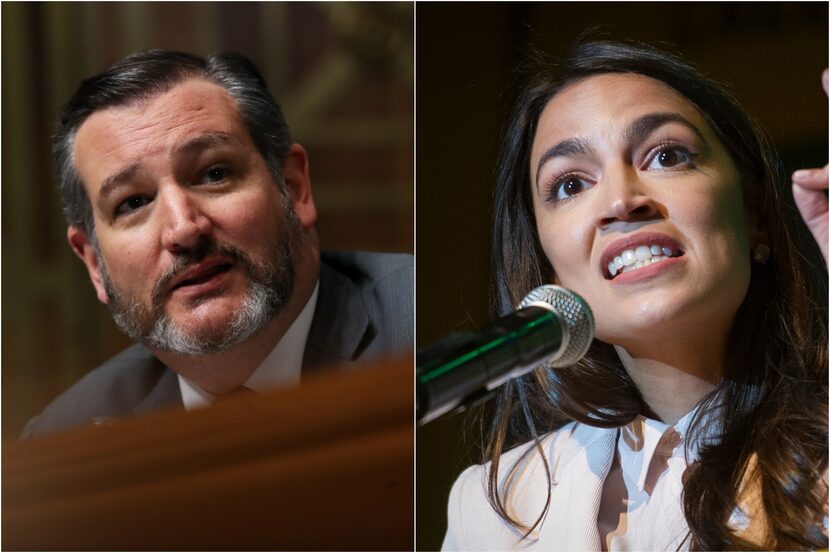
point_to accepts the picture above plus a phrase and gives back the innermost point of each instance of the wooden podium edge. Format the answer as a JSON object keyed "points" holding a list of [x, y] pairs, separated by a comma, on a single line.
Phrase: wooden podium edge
{"points": [[87, 488]]}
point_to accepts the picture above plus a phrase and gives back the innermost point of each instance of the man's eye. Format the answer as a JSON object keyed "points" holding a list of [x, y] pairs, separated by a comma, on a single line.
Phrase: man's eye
{"points": [[216, 174], [131, 204], [669, 157]]}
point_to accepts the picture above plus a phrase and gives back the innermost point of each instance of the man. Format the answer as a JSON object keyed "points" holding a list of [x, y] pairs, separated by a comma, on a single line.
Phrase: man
{"points": [[192, 211]]}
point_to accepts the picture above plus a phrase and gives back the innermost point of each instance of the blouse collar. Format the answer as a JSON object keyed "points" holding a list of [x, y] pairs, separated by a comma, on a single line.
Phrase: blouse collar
{"points": [[643, 438]]}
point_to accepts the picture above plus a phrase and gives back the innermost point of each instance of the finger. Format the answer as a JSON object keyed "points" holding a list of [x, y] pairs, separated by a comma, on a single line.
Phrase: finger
{"points": [[812, 204], [824, 80], [814, 179]]}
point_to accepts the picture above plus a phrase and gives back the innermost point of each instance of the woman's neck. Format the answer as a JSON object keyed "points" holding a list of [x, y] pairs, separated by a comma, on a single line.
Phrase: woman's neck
{"points": [[673, 384]]}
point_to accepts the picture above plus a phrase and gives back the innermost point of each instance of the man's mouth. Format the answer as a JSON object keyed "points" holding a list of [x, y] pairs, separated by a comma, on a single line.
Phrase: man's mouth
{"points": [[639, 257], [200, 275]]}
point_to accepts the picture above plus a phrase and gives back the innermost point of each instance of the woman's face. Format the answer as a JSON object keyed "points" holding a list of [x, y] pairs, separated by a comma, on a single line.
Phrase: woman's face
{"points": [[639, 209]]}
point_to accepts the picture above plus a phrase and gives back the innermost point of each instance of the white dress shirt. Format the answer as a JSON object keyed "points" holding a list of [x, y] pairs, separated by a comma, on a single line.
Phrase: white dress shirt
{"points": [[280, 369]]}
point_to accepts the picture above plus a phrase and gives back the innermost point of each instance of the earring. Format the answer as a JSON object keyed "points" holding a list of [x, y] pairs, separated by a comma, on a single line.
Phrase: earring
{"points": [[760, 253]]}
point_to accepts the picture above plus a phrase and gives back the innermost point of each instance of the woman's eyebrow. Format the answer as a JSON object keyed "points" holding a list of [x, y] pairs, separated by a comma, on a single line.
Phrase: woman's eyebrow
{"points": [[637, 131], [643, 126], [570, 147]]}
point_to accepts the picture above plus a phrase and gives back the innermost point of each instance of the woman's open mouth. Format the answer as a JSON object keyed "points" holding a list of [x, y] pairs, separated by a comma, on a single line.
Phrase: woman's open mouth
{"points": [[639, 257]]}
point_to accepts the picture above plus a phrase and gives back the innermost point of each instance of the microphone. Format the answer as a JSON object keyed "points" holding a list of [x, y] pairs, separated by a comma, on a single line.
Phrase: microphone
{"points": [[553, 327]]}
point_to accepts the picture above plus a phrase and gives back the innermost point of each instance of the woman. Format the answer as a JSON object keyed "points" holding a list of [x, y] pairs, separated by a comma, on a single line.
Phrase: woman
{"points": [[698, 419]]}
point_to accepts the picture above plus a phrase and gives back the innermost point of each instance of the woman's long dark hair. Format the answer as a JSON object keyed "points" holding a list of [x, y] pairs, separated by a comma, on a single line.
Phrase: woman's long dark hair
{"points": [[771, 404]]}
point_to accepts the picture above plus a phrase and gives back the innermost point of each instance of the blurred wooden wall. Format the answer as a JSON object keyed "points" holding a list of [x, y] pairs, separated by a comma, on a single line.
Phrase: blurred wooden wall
{"points": [[771, 52], [342, 72]]}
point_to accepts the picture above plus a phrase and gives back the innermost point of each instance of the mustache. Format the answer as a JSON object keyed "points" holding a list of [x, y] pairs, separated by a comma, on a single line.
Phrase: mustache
{"points": [[184, 261]]}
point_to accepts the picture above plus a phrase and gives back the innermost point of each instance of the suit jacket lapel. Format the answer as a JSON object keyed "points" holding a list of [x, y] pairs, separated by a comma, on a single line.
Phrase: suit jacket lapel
{"points": [[165, 393], [341, 322]]}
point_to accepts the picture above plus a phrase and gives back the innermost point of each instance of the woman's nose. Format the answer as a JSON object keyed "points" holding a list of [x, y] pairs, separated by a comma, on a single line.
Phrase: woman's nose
{"points": [[184, 222], [625, 198]]}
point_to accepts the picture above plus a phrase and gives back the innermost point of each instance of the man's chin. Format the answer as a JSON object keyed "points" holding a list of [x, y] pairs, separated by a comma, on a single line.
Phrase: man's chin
{"points": [[215, 329], [212, 328], [200, 340], [203, 316]]}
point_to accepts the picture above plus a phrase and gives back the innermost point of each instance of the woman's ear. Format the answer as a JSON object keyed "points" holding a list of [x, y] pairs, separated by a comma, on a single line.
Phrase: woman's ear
{"points": [[756, 228], [756, 231]]}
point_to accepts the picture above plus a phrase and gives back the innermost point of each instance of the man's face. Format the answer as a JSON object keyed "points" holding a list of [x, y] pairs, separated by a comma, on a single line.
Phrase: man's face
{"points": [[194, 237]]}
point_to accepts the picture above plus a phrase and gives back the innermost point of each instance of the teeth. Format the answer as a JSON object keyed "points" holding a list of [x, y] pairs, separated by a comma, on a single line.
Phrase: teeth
{"points": [[639, 257]]}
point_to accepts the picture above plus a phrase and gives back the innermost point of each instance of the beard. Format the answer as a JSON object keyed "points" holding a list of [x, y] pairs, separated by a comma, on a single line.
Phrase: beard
{"points": [[270, 283]]}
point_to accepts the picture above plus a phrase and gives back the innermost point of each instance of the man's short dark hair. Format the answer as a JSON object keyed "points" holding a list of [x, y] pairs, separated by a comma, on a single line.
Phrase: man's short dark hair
{"points": [[145, 74]]}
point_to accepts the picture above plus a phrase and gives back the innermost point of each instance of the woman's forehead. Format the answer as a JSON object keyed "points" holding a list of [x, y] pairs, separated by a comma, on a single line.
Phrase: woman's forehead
{"points": [[605, 104]]}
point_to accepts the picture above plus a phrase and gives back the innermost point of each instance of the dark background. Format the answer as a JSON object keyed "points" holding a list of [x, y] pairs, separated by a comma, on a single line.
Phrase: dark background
{"points": [[342, 72], [772, 53]]}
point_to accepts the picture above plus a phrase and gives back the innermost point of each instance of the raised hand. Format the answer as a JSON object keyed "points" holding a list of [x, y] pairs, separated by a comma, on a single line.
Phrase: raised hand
{"points": [[809, 192]]}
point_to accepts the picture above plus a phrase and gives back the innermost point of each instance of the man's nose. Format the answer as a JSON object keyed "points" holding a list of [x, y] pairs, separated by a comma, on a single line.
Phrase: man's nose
{"points": [[184, 222], [624, 197]]}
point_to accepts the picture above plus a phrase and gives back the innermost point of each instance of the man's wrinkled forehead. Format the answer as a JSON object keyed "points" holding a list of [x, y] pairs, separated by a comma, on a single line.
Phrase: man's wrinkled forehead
{"points": [[194, 114]]}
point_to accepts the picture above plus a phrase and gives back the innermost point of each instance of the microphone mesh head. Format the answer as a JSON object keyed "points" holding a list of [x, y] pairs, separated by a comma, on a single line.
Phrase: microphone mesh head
{"points": [[577, 316]]}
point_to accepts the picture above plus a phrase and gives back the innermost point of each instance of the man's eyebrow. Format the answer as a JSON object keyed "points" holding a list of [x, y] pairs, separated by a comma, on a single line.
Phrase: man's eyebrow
{"points": [[643, 126], [203, 142], [111, 183], [572, 147], [193, 145]]}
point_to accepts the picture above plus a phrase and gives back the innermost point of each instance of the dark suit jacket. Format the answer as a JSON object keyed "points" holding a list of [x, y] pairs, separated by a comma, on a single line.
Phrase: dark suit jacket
{"points": [[364, 310]]}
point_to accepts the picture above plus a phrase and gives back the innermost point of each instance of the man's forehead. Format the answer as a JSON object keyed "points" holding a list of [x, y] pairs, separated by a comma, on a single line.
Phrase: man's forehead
{"points": [[194, 112], [192, 100]]}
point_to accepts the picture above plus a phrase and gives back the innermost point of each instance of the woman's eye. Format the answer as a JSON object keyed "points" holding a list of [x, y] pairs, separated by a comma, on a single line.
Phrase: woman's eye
{"points": [[131, 204], [568, 187], [666, 158]]}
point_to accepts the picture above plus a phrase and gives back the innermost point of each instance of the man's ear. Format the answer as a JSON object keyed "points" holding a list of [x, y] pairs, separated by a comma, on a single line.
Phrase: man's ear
{"points": [[298, 183], [81, 245]]}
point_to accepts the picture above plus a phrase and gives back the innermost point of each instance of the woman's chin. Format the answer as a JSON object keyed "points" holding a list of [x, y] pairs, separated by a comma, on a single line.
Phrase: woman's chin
{"points": [[649, 324]]}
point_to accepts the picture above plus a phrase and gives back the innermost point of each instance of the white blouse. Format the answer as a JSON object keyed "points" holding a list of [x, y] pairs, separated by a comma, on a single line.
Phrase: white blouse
{"points": [[640, 508], [613, 489]]}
